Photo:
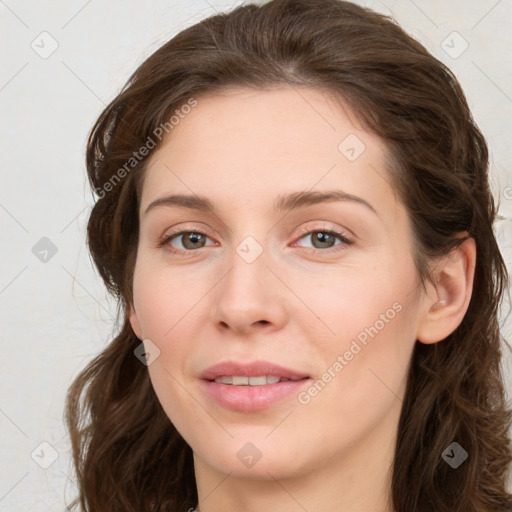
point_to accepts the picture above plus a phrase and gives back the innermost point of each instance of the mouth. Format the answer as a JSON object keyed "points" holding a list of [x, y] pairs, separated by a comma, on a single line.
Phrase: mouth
{"points": [[257, 373], [252, 394], [244, 380]]}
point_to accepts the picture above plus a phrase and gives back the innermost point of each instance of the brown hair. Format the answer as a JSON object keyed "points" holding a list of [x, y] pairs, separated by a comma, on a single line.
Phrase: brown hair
{"points": [[127, 454]]}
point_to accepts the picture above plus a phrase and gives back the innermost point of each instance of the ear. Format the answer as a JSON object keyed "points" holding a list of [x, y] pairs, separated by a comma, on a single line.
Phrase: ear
{"points": [[448, 302], [134, 322]]}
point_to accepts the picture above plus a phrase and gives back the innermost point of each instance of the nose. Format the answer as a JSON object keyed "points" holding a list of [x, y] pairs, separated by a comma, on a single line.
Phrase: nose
{"points": [[249, 297]]}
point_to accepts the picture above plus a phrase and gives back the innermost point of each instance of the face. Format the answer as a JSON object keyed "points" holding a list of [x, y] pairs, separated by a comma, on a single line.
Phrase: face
{"points": [[326, 288]]}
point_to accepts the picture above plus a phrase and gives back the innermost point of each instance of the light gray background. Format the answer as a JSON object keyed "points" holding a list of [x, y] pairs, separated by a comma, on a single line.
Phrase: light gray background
{"points": [[55, 315]]}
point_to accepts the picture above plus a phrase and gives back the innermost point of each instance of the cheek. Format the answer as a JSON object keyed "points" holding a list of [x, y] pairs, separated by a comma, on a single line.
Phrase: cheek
{"points": [[364, 374], [167, 307], [345, 303], [368, 325], [163, 298]]}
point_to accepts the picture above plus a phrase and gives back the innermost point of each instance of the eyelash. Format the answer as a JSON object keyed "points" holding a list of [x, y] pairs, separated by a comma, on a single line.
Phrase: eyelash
{"points": [[339, 247]]}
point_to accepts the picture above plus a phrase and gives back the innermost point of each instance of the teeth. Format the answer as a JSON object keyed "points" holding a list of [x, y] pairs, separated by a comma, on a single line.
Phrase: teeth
{"points": [[250, 381]]}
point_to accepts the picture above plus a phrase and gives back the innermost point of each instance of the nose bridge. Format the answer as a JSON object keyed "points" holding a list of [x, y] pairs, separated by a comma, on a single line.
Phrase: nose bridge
{"points": [[248, 274], [250, 249], [247, 294]]}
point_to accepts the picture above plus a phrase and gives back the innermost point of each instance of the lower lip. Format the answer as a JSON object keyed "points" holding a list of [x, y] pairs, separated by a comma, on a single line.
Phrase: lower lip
{"points": [[252, 398]]}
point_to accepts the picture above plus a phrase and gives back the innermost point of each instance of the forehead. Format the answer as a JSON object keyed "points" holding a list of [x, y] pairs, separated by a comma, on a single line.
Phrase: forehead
{"points": [[245, 145], [270, 122]]}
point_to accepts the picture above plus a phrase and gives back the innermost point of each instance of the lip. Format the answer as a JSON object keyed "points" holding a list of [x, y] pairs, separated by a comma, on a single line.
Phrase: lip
{"points": [[254, 369], [251, 398]]}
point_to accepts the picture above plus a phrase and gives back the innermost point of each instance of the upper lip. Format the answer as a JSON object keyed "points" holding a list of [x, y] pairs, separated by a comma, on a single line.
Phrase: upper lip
{"points": [[254, 369]]}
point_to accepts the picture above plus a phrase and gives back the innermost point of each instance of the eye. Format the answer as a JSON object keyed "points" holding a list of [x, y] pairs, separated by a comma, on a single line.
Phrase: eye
{"points": [[190, 240], [325, 239], [322, 239]]}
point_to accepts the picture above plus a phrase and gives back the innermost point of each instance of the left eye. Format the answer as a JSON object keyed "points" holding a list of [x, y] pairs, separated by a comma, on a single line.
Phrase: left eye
{"points": [[326, 238]]}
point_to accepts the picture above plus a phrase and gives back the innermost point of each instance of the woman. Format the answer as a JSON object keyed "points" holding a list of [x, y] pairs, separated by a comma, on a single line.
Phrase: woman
{"points": [[295, 216]]}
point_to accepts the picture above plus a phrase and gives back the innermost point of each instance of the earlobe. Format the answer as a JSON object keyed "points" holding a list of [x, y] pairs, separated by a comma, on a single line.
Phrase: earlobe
{"points": [[134, 322], [445, 308]]}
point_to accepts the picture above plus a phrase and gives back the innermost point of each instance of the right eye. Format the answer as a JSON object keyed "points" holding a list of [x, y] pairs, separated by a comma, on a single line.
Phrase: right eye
{"points": [[190, 240]]}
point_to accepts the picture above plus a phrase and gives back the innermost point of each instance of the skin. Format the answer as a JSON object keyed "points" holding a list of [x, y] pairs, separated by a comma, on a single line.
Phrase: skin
{"points": [[300, 304]]}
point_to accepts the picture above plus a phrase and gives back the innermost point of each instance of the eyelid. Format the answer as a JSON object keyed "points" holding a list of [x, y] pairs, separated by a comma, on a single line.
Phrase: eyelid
{"points": [[328, 226]]}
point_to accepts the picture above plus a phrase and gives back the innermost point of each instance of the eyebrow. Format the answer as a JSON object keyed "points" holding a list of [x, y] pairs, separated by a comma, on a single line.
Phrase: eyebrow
{"points": [[283, 203]]}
